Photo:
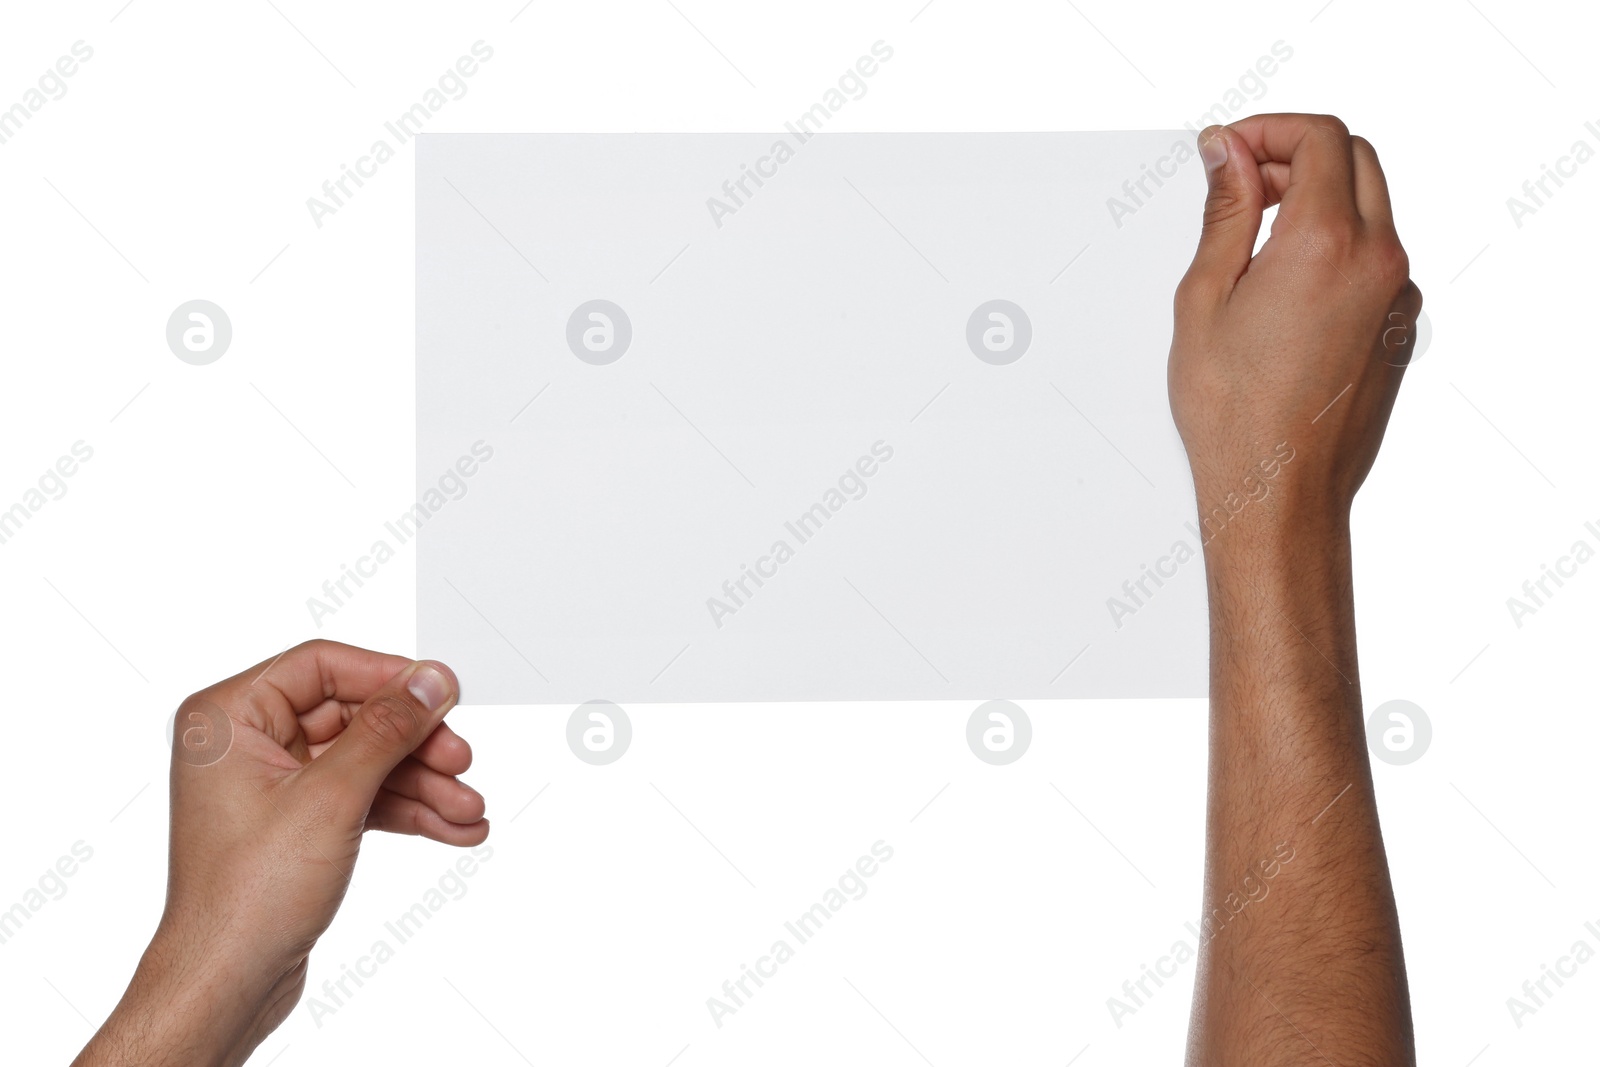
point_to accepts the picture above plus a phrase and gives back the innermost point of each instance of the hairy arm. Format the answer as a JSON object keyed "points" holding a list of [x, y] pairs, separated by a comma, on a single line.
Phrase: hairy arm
{"points": [[1284, 370]]}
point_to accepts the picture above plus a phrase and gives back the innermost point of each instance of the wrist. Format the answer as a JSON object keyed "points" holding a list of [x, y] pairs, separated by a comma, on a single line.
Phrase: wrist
{"points": [[187, 1003]]}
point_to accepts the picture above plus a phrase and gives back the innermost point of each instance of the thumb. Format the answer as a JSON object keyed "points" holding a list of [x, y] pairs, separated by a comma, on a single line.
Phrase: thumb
{"points": [[383, 731], [1234, 202]]}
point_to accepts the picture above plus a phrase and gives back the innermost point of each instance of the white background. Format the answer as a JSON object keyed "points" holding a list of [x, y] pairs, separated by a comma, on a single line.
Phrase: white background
{"points": [[177, 166]]}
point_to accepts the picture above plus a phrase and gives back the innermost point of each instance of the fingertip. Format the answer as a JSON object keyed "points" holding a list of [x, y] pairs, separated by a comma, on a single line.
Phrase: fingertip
{"points": [[432, 683], [1214, 147]]}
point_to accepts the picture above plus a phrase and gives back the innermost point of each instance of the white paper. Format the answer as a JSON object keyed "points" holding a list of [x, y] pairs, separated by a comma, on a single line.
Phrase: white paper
{"points": [[590, 513]]}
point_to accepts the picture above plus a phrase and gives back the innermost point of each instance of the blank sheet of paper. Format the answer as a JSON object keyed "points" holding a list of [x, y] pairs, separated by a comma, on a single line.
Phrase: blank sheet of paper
{"points": [[716, 417]]}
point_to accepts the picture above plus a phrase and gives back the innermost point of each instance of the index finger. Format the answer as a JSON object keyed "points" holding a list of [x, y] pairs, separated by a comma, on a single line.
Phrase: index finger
{"points": [[302, 679], [1318, 152]]}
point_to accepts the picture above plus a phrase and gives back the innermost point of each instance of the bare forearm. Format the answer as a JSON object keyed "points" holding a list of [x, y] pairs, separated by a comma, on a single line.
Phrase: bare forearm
{"points": [[191, 1004], [1301, 958]]}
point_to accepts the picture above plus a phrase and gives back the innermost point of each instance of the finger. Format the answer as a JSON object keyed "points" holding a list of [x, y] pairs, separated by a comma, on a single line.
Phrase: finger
{"points": [[395, 814], [384, 730], [1372, 189], [445, 751], [303, 679], [1274, 180], [1317, 149], [1234, 203], [456, 801]]}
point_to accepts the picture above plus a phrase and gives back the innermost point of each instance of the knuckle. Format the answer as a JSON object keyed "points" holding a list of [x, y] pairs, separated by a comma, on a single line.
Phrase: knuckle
{"points": [[1332, 123], [391, 720], [1391, 264], [1193, 295], [1335, 236], [1223, 203]]}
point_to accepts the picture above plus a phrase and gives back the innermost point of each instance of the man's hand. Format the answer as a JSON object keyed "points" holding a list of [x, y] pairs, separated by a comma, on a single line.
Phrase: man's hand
{"points": [[276, 773], [1284, 369], [1305, 343]]}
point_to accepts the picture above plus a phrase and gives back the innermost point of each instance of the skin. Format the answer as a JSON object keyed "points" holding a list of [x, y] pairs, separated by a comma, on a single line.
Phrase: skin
{"points": [[276, 775], [1301, 960]]}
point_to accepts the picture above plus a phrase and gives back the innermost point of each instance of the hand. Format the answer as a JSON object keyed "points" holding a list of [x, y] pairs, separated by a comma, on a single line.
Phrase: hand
{"points": [[276, 773], [1300, 348]]}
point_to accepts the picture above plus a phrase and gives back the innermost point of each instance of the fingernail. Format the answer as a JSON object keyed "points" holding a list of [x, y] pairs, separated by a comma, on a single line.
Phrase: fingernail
{"points": [[429, 685], [1213, 148]]}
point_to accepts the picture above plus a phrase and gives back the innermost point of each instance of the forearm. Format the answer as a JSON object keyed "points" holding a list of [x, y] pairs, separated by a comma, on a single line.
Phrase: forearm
{"points": [[1300, 953], [182, 1007]]}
